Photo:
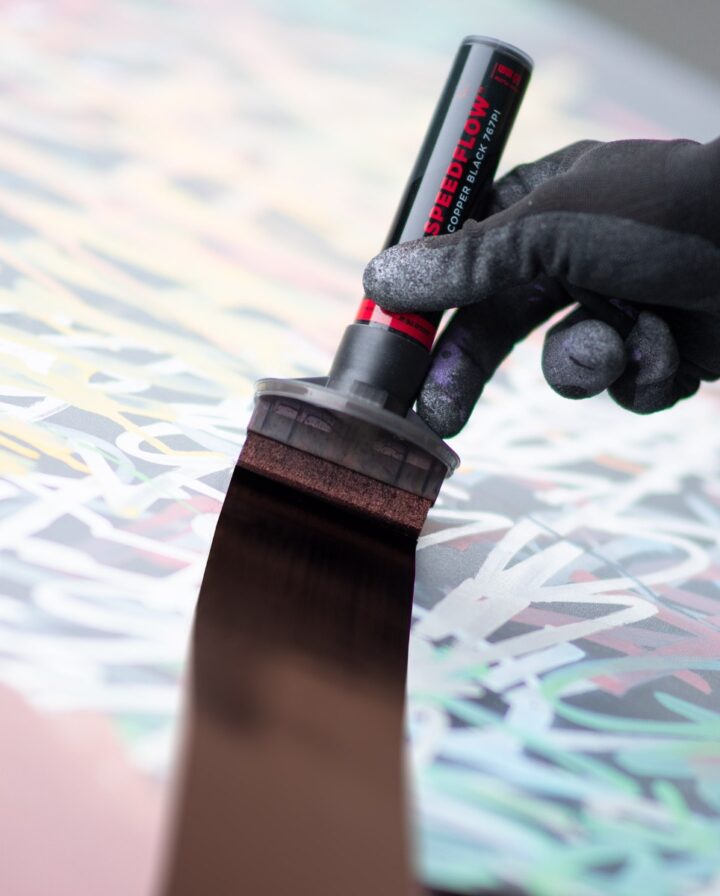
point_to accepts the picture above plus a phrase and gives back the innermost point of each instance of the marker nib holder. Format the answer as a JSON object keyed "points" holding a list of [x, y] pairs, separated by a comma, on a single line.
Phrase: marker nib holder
{"points": [[354, 433]]}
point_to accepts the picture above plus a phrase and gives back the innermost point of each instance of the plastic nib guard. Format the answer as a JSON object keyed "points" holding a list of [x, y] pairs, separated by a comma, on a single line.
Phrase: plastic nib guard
{"points": [[347, 449]]}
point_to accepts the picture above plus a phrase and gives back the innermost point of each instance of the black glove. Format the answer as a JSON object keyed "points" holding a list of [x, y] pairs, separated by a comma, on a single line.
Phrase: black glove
{"points": [[630, 231]]}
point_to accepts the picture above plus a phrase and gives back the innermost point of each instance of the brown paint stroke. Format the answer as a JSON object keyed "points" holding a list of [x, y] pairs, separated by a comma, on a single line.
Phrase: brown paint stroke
{"points": [[291, 780]]}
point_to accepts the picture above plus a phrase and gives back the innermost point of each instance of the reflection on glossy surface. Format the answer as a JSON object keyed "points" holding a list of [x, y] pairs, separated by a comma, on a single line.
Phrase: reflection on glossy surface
{"points": [[292, 775]]}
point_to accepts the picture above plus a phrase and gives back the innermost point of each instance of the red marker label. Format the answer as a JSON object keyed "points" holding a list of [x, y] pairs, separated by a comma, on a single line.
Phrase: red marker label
{"points": [[414, 325], [452, 182]]}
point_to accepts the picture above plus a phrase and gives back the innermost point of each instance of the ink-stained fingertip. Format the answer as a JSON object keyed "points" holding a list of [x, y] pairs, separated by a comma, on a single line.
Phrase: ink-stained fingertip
{"points": [[442, 412]]}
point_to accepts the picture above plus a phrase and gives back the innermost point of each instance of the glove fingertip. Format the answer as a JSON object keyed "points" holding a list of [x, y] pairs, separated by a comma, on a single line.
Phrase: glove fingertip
{"points": [[584, 359], [653, 397], [445, 414], [652, 381], [391, 277], [452, 385]]}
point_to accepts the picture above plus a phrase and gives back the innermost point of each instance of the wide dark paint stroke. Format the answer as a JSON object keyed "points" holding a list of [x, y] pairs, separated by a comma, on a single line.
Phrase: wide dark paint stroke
{"points": [[292, 776]]}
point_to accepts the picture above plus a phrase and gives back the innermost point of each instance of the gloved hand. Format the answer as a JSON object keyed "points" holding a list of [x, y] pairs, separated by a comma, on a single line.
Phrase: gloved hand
{"points": [[629, 232]]}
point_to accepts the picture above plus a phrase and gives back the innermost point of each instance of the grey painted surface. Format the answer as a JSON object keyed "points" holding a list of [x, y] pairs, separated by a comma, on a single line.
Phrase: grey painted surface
{"points": [[689, 30]]}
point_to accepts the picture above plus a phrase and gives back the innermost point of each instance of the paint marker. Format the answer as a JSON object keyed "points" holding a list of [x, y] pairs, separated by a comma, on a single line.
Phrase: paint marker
{"points": [[448, 185], [352, 437]]}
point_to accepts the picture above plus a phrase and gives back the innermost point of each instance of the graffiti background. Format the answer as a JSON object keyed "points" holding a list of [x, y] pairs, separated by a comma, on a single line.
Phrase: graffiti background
{"points": [[188, 194]]}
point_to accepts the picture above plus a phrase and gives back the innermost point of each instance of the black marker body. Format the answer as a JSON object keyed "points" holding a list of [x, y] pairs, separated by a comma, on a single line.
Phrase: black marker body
{"points": [[383, 355]]}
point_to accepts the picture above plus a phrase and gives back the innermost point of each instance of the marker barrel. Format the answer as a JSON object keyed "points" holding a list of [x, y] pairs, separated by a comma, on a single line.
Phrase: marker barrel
{"points": [[383, 356]]}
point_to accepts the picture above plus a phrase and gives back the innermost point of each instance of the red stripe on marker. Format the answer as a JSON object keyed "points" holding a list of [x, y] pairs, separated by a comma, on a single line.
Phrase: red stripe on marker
{"points": [[413, 325]]}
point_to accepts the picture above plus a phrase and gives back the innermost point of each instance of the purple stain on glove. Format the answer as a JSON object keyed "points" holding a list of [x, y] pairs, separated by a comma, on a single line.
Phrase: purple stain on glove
{"points": [[449, 392], [445, 364]]}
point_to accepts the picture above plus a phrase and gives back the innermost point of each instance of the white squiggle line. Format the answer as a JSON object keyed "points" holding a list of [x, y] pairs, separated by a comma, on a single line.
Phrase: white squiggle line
{"points": [[36, 360], [598, 742], [506, 591], [637, 610], [130, 499], [45, 649], [697, 557], [55, 504], [201, 463], [109, 610], [453, 490], [449, 513], [431, 723], [528, 708], [506, 835], [511, 671], [77, 563], [490, 522]]}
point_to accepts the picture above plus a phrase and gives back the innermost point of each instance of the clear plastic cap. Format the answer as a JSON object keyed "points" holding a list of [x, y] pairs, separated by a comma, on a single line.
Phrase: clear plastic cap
{"points": [[353, 433]]}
